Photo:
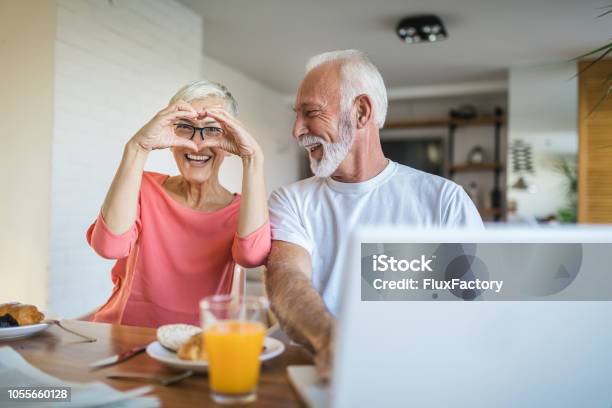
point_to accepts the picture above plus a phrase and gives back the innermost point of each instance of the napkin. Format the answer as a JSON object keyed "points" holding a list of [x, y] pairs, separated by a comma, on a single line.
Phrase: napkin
{"points": [[15, 371]]}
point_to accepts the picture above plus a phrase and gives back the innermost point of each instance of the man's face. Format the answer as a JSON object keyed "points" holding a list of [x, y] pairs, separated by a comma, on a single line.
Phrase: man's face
{"points": [[320, 126]]}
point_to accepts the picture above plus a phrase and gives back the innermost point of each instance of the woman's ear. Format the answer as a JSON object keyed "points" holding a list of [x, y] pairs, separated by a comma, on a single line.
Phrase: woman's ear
{"points": [[363, 104]]}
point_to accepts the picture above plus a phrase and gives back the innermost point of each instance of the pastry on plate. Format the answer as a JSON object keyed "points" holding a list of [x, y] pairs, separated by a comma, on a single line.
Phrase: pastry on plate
{"points": [[172, 336], [22, 313], [193, 349], [8, 321]]}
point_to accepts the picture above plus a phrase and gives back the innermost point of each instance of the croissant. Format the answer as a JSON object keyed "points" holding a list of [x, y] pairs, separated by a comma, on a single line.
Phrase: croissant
{"points": [[4, 307], [193, 349], [24, 314]]}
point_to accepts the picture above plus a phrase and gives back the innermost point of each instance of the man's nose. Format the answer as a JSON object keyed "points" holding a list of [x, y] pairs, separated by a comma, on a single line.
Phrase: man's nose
{"points": [[299, 127]]}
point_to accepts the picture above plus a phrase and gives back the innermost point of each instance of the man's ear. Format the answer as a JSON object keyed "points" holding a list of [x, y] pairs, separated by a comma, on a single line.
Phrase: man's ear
{"points": [[363, 105]]}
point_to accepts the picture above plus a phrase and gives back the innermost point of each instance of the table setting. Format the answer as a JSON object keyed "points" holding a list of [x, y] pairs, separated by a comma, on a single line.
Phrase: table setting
{"points": [[233, 358]]}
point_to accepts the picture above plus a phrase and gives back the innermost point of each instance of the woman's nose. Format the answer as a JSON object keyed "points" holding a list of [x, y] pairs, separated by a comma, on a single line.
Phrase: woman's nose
{"points": [[199, 142]]}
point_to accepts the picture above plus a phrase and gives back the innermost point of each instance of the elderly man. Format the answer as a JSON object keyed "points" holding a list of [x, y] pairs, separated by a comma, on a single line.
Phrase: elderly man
{"points": [[340, 106]]}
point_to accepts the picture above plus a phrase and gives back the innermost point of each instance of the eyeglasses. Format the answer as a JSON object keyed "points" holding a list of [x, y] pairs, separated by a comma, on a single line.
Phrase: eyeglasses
{"points": [[186, 131]]}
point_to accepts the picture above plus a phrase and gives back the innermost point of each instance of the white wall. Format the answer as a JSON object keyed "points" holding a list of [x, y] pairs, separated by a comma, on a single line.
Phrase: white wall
{"points": [[543, 112], [27, 33], [118, 63]]}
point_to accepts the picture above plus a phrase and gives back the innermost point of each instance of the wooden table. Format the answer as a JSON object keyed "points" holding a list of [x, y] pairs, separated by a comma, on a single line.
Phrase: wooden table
{"points": [[65, 356]]}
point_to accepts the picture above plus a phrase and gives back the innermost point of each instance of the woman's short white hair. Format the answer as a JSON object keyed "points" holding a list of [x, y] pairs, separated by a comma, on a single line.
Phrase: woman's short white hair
{"points": [[202, 89], [359, 76]]}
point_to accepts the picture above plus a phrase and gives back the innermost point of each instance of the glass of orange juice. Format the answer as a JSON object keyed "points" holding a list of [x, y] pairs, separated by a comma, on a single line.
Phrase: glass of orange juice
{"points": [[234, 333]]}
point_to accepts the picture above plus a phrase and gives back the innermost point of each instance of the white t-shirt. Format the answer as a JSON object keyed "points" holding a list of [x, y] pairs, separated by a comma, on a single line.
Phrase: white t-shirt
{"points": [[319, 214]]}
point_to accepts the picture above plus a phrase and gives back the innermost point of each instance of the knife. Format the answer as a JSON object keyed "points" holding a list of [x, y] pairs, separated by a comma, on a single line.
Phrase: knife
{"points": [[117, 358]]}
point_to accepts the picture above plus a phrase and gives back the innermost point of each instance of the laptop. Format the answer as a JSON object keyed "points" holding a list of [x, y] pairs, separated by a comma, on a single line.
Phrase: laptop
{"points": [[544, 339]]}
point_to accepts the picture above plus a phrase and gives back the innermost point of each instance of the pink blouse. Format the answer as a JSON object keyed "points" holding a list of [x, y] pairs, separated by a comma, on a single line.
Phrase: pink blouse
{"points": [[172, 257]]}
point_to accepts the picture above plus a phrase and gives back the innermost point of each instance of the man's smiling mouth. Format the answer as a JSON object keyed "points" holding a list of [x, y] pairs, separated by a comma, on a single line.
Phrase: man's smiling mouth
{"points": [[312, 147]]}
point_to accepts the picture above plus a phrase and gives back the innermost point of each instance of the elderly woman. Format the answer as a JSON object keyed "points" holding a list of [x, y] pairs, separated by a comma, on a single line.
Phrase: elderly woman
{"points": [[178, 238]]}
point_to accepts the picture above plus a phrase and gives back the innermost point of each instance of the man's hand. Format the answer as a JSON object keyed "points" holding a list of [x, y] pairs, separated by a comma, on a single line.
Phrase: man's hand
{"points": [[299, 308], [323, 361]]}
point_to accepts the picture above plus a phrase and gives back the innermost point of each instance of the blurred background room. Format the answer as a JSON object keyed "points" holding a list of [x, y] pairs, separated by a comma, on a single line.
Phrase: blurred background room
{"points": [[500, 96]]}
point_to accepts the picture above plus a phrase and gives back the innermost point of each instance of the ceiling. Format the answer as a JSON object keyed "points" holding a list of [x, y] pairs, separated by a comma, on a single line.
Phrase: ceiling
{"points": [[270, 40]]}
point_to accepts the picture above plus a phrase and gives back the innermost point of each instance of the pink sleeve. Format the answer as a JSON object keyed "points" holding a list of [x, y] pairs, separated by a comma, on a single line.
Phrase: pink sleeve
{"points": [[252, 251], [109, 245]]}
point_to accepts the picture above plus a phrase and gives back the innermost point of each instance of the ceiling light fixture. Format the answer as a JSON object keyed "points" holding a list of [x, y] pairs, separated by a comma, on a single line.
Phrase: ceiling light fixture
{"points": [[424, 28]]}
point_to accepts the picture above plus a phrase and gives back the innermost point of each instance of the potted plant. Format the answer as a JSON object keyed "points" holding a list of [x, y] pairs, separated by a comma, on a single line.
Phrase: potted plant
{"points": [[569, 213]]}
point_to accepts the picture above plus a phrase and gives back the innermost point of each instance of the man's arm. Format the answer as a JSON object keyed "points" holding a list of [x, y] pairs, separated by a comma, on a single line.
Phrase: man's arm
{"points": [[299, 308]]}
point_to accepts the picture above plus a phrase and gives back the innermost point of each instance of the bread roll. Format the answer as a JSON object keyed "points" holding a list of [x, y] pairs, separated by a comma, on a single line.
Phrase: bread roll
{"points": [[172, 336]]}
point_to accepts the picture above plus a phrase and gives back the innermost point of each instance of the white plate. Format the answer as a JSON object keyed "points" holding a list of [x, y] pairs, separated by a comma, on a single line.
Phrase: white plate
{"points": [[11, 333], [156, 351]]}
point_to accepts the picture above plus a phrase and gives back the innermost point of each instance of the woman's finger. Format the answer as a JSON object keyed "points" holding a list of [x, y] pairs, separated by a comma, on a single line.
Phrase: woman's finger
{"points": [[208, 142], [222, 116], [182, 105], [225, 116], [211, 143], [180, 114], [190, 144], [220, 144], [240, 135], [231, 131], [241, 140], [234, 129], [179, 105], [221, 112]]}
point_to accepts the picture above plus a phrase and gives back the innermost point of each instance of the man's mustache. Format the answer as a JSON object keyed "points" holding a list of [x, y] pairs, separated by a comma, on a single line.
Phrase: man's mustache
{"points": [[308, 140]]}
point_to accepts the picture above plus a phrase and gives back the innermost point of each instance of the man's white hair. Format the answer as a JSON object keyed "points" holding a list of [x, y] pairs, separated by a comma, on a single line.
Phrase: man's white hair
{"points": [[202, 89], [359, 76]]}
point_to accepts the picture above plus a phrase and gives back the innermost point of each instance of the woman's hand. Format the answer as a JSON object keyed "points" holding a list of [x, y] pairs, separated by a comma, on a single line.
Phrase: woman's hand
{"points": [[235, 139], [120, 207], [159, 132]]}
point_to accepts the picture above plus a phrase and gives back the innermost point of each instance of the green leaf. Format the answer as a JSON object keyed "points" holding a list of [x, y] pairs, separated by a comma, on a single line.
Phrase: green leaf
{"points": [[607, 82], [595, 61], [605, 97], [606, 12], [604, 50], [600, 49]]}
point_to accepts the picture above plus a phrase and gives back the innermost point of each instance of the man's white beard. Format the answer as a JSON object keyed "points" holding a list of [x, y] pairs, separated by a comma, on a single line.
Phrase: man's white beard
{"points": [[333, 153]]}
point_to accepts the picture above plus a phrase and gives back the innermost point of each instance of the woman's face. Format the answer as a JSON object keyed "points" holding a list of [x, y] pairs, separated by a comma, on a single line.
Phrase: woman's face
{"points": [[200, 166]]}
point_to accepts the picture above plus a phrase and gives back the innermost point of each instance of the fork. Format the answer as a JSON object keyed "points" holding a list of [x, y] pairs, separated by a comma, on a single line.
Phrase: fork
{"points": [[59, 324], [163, 380]]}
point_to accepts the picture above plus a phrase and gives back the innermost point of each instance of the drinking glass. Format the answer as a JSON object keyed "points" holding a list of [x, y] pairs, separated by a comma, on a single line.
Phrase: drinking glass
{"points": [[234, 332]]}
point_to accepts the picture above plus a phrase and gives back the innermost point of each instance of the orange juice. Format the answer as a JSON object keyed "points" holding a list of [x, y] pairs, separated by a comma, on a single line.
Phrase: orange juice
{"points": [[233, 349]]}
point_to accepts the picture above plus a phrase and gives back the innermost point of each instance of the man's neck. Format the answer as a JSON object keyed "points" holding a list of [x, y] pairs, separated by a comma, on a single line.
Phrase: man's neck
{"points": [[362, 163]]}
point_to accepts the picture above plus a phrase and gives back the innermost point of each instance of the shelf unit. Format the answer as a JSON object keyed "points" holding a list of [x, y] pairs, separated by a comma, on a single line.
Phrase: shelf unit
{"points": [[444, 122], [497, 167], [465, 167]]}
